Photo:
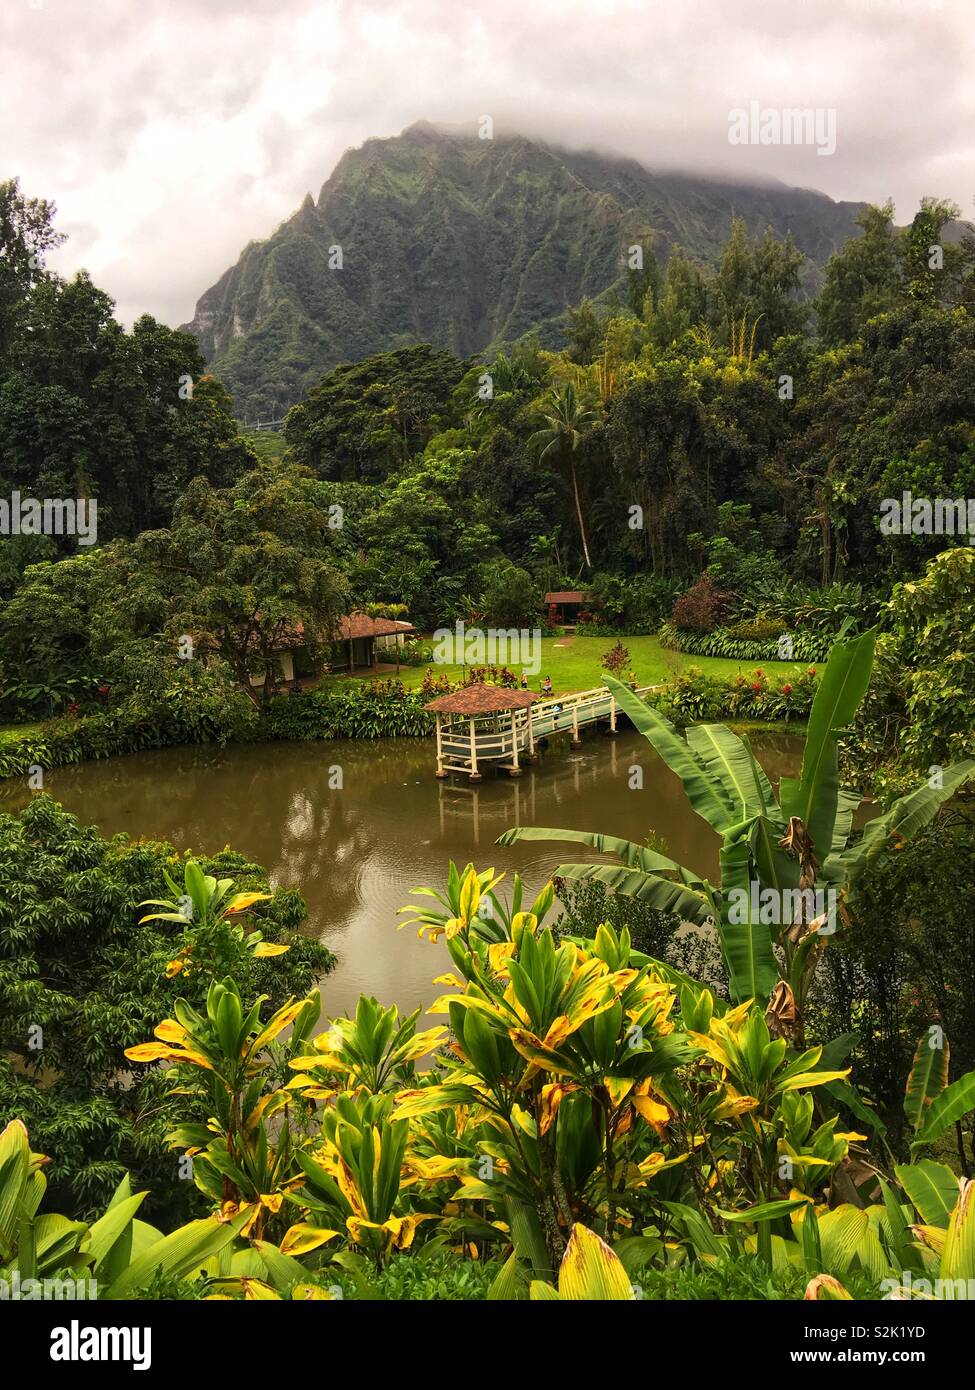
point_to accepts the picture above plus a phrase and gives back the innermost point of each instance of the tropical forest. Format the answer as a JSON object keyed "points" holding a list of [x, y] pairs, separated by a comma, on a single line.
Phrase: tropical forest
{"points": [[487, 730]]}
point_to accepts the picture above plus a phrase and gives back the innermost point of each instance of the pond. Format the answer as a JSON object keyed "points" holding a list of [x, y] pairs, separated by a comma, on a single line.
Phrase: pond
{"points": [[355, 852]]}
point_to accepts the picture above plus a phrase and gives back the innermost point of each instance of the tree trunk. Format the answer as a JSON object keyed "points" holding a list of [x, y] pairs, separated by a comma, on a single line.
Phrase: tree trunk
{"points": [[582, 524]]}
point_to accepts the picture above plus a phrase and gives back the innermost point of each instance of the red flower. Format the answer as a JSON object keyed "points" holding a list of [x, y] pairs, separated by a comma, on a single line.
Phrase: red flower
{"points": [[74, 709], [787, 690], [103, 689], [811, 671], [757, 688]]}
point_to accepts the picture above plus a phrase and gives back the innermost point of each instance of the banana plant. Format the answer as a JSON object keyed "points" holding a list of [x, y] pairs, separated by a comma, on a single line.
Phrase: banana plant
{"points": [[205, 909], [774, 851], [930, 1104]]}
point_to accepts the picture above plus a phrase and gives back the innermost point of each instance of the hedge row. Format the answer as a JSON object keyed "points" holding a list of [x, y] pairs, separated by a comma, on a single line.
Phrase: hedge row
{"points": [[806, 646]]}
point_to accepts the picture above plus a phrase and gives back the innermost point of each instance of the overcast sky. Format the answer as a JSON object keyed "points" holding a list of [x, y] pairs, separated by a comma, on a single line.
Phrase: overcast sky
{"points": [[172, 132]]}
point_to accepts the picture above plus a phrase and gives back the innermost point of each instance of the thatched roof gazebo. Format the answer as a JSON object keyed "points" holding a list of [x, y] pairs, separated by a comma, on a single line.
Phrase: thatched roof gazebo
{"points": [[489, 722]]}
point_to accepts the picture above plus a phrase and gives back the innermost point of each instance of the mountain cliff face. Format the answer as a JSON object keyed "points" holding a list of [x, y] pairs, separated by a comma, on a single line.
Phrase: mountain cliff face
{"points": [[460, 242]]}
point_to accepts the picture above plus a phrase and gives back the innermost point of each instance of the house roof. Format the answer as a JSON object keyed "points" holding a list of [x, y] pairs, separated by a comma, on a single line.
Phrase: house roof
{"points": [[565, 596], [482, 699], [356, 625]]}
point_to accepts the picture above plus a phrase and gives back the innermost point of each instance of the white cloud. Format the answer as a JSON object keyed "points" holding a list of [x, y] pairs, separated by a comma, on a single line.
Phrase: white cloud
{"points": [[171, 133]]}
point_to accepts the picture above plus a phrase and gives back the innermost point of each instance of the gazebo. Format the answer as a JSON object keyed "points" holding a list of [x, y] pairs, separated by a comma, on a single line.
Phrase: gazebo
{"points": [[483, 723]]}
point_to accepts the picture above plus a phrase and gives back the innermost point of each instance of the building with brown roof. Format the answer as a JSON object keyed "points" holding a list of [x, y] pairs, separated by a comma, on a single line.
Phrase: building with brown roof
{"points": [[362, 641]]}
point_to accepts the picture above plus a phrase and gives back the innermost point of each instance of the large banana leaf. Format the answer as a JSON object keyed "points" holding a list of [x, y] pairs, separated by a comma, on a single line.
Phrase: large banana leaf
{"points": [[814, 797], [848, 803], [908, 814], [634, 855], [718, 801], [747, 946], [661, 893], [932, 1188], [954, 1101], [733, 765], [928, 1078]]}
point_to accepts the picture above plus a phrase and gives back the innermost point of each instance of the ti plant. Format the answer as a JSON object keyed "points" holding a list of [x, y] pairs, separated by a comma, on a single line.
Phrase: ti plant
{"points": [[234, 1158], [557, 1053], [472, 907], [780, 857], [113, 1257], [205, 909]]}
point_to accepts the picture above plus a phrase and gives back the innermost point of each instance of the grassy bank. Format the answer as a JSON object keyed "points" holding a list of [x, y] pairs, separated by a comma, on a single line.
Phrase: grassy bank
{"points": [[576, 663]]}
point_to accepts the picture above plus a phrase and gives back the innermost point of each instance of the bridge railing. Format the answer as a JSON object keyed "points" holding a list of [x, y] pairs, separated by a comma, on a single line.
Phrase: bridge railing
{"points": [[557, 714]]}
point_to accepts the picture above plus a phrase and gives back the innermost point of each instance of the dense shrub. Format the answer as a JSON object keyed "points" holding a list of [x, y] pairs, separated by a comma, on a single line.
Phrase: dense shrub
{"points": [[703, 607], [636, 605], [77, 964], [920, 708], [907, 962], [380, 709], [734, 643], [201, 707]]}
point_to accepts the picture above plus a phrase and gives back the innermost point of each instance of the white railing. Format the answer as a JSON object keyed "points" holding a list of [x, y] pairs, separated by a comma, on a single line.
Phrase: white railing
{"points": [[557, 714]]}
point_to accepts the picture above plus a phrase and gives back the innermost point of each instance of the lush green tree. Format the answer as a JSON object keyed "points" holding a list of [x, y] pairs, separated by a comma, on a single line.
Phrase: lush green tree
{"points": [[510, 596], [424, 541], [364, 420], [89, 410], [244, 571], [26, 235], [568, 419], [863, 278]]}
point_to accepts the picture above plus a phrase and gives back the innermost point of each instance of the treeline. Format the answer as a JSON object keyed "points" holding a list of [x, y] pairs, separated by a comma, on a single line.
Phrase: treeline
{"points": [[705, 421]]}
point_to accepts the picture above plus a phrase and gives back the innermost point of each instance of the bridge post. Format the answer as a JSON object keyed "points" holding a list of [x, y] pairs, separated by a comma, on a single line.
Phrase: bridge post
{"points": [[532, 756], [441, 771], [514, 770], [475, 775], [612, 714], [576, 740]]}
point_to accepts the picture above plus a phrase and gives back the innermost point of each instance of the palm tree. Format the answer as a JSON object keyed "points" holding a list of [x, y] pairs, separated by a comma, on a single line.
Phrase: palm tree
{"points": [[567, 421]]}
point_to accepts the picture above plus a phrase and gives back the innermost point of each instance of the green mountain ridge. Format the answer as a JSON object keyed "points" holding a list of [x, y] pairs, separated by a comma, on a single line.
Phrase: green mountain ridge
{"points": [[465, 244]]}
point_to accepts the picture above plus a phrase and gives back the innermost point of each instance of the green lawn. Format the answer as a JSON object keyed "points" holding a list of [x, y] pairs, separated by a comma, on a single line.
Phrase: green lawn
{"points": [[10, 733], [579, 665]]}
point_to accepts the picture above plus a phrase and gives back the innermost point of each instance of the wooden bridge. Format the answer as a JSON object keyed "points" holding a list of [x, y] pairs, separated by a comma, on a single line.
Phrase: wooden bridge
{"points": [[486, 724]]}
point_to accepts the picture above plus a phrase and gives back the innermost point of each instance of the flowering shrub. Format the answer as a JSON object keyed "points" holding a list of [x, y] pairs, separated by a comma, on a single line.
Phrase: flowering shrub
{"points": [[692, 696]]}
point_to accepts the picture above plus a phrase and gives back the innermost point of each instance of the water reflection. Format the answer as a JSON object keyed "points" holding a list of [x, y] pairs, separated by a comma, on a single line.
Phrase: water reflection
{"points": [[356, 852]]}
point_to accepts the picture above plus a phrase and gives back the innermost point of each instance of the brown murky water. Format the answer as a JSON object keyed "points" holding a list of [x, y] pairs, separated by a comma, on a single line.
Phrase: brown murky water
{"points": [[356, 853]]}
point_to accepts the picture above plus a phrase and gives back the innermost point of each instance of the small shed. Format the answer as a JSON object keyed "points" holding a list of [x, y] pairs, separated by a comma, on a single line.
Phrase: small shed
{"points": [[567, 604], [483, 723], [363, 641]]}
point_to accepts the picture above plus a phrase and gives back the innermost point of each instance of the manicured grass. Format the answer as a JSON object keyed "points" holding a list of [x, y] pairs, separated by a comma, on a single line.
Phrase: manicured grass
{"points": [[10, 733], [579, 665]]}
